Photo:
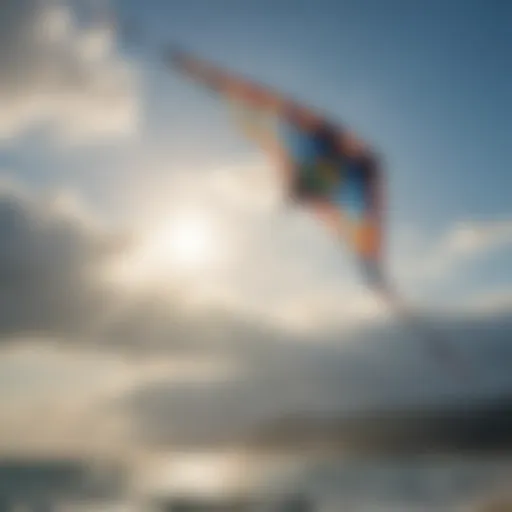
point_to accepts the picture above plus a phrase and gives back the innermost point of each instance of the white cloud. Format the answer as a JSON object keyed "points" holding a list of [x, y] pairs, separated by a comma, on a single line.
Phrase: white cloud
{"points": [[205, 366], [282, 267], [280, 270], [277, 265], [51, 401], [462, 244], [56, 73], [57, 398]]}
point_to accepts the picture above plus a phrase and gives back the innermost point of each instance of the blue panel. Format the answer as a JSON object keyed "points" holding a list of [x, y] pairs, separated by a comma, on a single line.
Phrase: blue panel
{"points": [[305, 148], [300, 144], [351, 194]]}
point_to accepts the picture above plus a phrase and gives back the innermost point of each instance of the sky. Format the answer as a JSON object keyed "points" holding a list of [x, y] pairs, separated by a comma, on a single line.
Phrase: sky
{"points": [[154, 285]]}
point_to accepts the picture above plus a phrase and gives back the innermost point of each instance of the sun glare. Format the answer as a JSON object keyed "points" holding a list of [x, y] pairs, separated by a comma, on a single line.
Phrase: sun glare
{"points": [[185, 244], [208, 475]]}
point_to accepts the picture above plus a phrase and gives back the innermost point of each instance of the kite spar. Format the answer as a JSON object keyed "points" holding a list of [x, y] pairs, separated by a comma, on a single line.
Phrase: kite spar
{"points": [[324, 167]]}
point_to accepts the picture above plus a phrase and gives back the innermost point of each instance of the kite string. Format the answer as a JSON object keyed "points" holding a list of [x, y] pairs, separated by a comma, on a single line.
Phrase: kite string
{"points": [[442, 351]]}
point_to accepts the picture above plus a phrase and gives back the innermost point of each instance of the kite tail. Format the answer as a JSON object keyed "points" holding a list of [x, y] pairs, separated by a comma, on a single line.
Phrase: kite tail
{"points": [[438, 347]]}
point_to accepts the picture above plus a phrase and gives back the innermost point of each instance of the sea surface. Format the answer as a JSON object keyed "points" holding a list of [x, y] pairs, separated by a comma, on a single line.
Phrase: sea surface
{"points": [[440, 483], [423, 483]]}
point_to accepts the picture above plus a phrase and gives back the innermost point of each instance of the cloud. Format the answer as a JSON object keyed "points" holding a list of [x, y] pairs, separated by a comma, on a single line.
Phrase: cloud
{"points": [[278, 267], [52, 284], [50, 257], [72, 388], [55, 72], [462, 244], [64, 388], [249, 359], [375, 372], [53, 273], [283, 273]]}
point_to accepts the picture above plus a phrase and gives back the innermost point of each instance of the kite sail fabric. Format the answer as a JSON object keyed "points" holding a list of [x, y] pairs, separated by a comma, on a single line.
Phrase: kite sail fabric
{"points": [[323, 166]]}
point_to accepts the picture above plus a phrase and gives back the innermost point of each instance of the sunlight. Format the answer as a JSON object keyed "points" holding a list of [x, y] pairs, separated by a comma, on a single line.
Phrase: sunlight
{"points": [[187, 242], [204, 474], [185, 245]]}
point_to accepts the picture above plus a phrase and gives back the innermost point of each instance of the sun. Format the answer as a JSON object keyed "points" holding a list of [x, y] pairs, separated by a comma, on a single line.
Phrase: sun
{"points": [[183, 245]]}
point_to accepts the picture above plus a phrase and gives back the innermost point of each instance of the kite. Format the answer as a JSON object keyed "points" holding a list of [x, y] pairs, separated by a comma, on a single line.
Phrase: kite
{"points": [[323, 167]]}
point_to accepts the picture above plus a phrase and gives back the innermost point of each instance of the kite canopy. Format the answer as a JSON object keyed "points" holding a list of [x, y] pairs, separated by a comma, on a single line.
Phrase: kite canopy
{"points": [[323, 165]]}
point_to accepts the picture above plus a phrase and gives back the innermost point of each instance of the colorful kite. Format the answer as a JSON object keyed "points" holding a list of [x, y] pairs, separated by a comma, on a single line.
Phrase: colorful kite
{"points": [[323, 167]]}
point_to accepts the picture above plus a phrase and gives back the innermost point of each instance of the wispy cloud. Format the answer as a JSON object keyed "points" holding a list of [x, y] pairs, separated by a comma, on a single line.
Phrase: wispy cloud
{"points": [[423, 259], [58, 74]]}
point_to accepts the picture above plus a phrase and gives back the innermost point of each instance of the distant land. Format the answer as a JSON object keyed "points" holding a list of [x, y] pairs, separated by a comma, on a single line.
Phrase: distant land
{"points": [[473, 427]]}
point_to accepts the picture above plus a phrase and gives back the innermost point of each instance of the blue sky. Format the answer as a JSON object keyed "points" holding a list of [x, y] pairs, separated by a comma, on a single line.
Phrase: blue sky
{"points": [[426, 82], [95, 129]]}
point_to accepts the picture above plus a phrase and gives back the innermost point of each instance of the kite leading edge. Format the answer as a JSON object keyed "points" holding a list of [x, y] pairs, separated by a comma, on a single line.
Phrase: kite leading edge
{"points": [[323, 167]]}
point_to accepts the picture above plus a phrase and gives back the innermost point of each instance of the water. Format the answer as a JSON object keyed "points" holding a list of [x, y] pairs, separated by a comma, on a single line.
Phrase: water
{"points": [[433, 483], [423, 483]]}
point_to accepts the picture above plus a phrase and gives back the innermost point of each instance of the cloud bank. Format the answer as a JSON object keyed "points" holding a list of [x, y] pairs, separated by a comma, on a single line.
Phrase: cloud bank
{"points": [[204, 372], [57, 73]]}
